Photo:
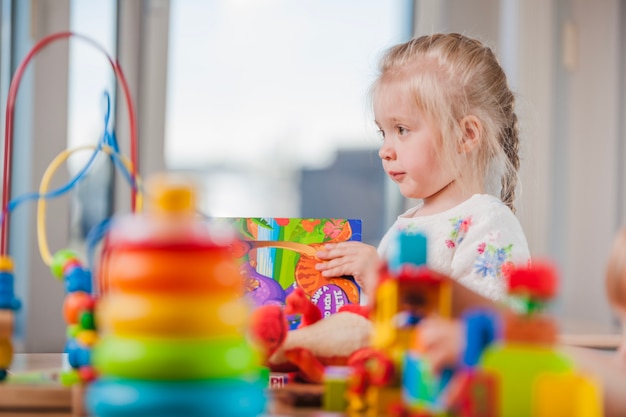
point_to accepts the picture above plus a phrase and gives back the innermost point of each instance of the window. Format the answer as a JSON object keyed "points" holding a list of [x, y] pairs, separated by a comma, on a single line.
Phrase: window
{"points": [[90, 76], [259, 91]]}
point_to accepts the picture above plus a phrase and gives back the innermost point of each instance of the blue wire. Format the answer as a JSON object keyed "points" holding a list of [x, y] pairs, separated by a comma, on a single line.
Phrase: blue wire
{"points": [[95, 234], [108, 138], [118, 162]]}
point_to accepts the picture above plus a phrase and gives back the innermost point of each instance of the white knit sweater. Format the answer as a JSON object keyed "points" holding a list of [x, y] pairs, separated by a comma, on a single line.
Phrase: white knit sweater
{"points": [[474, 242]]}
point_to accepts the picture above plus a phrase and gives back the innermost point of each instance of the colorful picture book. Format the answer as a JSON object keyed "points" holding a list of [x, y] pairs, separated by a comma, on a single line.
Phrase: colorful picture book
{"points": [[279, 254]]}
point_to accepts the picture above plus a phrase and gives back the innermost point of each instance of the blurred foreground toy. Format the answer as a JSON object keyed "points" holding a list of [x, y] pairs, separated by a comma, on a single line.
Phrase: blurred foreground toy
{"points": [[531, 376], [408, 291], [172, 318], [510, 366]]}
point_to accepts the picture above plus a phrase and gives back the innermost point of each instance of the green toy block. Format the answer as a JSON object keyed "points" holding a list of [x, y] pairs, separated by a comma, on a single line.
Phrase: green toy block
{"points": [[518, 367]]}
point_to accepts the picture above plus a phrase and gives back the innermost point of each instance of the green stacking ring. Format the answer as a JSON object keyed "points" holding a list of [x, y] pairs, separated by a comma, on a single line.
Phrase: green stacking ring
{"points": [[174, 359]]}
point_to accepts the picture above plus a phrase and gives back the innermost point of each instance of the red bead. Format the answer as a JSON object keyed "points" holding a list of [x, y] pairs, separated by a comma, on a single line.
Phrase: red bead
{"points": [[71, 264], [75, 303], [87, 373]]}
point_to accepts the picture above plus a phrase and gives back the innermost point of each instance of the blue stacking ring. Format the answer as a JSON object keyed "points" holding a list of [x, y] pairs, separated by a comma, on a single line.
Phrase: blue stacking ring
{"points": [[110, 397]]}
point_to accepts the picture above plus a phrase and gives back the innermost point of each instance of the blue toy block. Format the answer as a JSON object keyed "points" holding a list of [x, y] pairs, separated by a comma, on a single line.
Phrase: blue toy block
{"points": [[408, 249], [419, 385], [481, 331]]}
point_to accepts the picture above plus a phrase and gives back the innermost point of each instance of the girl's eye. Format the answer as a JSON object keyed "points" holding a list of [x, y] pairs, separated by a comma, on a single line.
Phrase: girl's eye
{"points": [[402, 130], [381, 133]]}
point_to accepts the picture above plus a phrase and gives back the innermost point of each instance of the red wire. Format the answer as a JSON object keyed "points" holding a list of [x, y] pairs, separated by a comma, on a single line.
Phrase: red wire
{"points": [[8, 131]]}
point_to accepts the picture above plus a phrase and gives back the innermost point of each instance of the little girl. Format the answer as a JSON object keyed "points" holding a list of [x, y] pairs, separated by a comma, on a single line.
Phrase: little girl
{"points": [[450, 139]]}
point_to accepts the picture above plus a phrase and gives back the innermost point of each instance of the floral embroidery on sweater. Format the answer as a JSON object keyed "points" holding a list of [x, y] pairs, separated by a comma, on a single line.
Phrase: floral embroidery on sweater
{"points": [[493, 261], [460, 226]]}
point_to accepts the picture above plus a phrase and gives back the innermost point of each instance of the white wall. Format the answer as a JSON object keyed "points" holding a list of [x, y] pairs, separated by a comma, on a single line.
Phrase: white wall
{"points": [[591, 158]]}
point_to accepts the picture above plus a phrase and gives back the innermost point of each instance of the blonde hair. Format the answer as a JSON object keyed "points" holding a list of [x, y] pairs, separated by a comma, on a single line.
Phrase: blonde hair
{"points": [[451, 76], [616, 271]]}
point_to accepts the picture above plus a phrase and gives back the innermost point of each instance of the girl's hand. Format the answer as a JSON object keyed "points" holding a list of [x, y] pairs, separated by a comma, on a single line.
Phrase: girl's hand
{"points": [[442, 341], [350, 258]]}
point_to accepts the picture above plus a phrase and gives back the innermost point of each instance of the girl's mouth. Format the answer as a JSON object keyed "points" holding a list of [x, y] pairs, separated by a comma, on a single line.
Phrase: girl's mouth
{"points": [[396, 176]]}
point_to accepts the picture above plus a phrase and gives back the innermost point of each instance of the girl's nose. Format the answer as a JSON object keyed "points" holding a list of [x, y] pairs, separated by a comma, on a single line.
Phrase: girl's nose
{"points": [[386, 151]]}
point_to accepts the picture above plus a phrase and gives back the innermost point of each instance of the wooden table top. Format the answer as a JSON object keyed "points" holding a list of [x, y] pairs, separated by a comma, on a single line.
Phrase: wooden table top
{"points": [[587, 334], [44, 368]]}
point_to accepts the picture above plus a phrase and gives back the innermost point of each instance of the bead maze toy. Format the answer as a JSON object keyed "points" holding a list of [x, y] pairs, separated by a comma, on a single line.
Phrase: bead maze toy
{"points": [[78, 305], [163, 331], [510, 366]]}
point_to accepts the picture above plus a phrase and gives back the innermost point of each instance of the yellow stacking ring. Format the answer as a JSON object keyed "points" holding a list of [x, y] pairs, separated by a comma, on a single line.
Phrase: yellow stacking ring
{"points": [[175, 359], [162, 315], [173, 272]]}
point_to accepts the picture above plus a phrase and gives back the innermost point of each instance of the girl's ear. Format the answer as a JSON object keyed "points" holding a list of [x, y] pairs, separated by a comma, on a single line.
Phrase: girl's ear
{"points": [[471, 130]]}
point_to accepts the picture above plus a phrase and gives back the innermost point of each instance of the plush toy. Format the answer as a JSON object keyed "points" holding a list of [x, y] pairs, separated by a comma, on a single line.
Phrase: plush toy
{"points": [[316, 343]]}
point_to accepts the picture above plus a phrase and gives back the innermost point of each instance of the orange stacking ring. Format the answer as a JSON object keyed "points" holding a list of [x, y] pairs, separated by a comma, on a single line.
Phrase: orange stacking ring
{"points": [[173, 271], [163, 315]]}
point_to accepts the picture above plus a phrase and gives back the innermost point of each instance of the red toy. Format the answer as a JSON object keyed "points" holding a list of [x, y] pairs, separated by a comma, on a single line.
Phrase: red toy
{"points": [[298, 303], [316, 343]]}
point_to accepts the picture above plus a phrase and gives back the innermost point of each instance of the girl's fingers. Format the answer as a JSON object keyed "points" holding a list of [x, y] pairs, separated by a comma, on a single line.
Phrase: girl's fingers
{"points": [[335, 271], [328, 253]]}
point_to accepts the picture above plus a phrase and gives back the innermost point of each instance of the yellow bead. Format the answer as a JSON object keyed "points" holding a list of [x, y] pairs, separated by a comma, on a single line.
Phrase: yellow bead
{"points": [[172, 194], [6, 263], [87, 337]]}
